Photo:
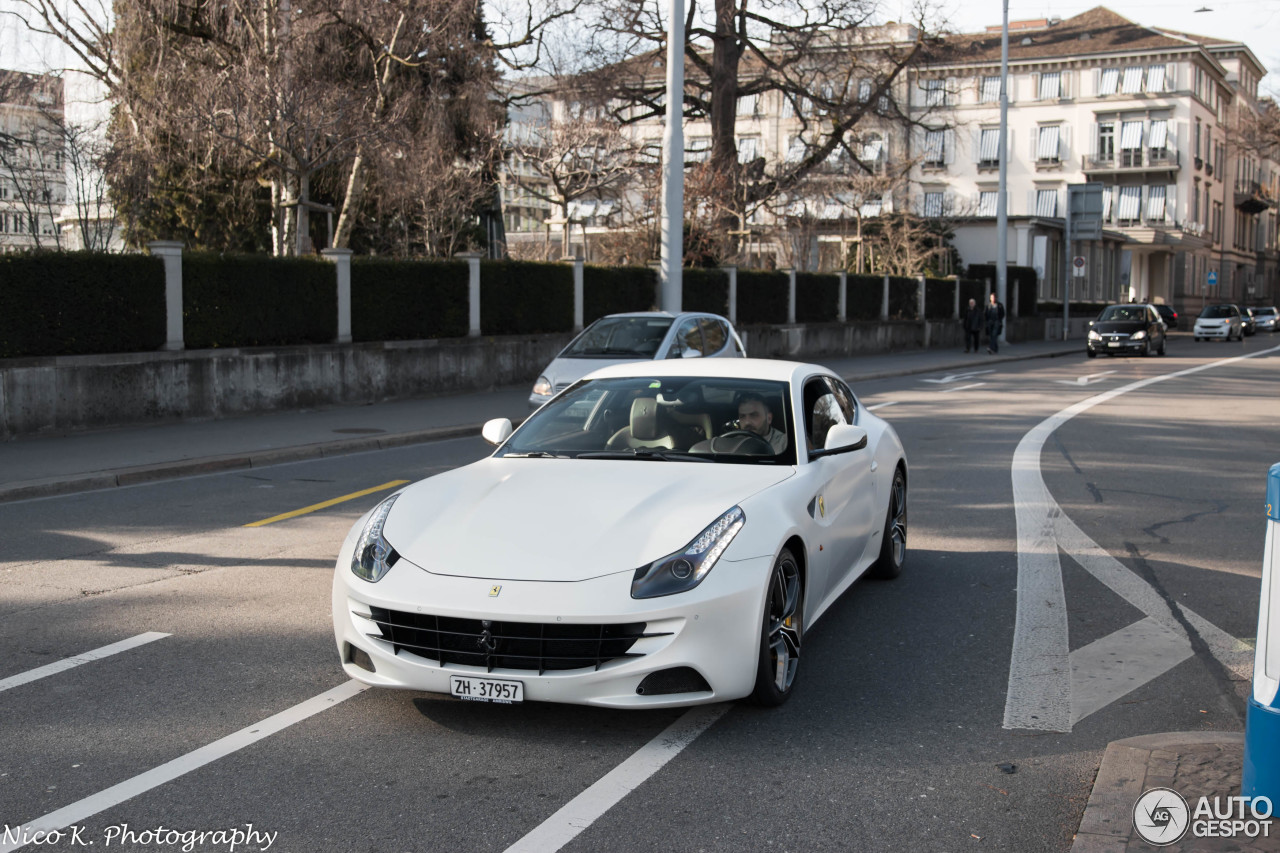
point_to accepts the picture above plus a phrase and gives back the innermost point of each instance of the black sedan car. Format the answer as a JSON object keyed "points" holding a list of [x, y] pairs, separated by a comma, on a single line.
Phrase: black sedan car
{"points": [[1248, 320], [1169, 316], [1135, 328]]}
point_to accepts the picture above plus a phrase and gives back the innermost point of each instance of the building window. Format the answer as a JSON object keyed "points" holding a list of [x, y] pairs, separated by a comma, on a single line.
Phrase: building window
{"points": [[1131, 143], [746, 105], [989, 148], [864, 90], [990, 91], [1217, 221], [1159, 140], [934, 93], [934, 148], [987, 202], [1106, 141], [933, 204], [1195, 202], [796, 149], [748, 148], [1048, 148], [1155, 78], [1109, 82], [1198, 139], [699, 147], [1047, 203], [1050, 85], [1130, 204], [1155, 204], [1132, 79], [1108, 193]]}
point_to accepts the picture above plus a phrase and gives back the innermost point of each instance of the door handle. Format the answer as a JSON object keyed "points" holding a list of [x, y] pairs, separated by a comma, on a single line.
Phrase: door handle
{"points": [[874, 465]]}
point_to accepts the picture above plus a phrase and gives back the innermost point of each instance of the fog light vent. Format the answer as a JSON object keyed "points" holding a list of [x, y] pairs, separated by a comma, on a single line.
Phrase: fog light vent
{"points": [[680, 679], [360, 658]]}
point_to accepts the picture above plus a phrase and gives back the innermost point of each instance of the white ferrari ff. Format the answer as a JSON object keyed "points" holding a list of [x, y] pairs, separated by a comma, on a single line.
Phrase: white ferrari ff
{"points": [[657, 534]]}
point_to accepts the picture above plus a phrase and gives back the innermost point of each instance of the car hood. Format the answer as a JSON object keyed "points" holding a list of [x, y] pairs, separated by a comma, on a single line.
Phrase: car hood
{"points": [[1113, 327], [566, 371], [564, 519]]}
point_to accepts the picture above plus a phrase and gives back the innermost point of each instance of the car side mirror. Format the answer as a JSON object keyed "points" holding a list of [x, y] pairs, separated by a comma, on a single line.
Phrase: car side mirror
{"points": [[496, 431], [841, 438]]}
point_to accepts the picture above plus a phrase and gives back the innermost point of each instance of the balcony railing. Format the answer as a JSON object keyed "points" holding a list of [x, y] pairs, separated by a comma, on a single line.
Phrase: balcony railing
{"points": [[1133, 160], [1253, 197]]}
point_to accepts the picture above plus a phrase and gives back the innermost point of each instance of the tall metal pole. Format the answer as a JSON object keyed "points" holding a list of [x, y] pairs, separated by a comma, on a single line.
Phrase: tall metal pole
{"points": [[1002, 202], [673, 165]]}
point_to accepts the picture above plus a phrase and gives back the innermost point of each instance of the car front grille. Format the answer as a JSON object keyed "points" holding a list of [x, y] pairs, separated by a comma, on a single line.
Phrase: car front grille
{"points": [[535, 646]]}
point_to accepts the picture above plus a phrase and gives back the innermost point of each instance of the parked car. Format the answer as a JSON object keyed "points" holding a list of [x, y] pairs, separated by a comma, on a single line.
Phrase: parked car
{"points": [[1132, 328], [1247, 321], [641, 336], [1267, 318], [1219, 322], [641, 541], [1167, 314]]}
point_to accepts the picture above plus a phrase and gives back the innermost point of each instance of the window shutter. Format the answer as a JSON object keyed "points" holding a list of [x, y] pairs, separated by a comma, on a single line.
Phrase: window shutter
{"points": [[1065, 91], [1171, 77], [951, 96], [1035, 142], [1097, 80], [1064, 142], [1035, 87], [977, 145], [1031, 202], [1093, 140], [949, 146], [1171, 204]]}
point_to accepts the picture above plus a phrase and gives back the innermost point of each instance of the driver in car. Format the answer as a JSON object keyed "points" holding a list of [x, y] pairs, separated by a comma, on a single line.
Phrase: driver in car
{"points": [[754, 417]]}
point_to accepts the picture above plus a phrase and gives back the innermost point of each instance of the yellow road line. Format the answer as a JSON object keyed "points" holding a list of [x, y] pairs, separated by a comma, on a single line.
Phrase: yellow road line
{"points": [[306, 509]]}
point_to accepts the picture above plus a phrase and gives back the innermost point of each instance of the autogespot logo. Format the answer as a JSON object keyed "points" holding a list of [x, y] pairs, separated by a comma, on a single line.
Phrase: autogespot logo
{"points": [[1161, 816]]}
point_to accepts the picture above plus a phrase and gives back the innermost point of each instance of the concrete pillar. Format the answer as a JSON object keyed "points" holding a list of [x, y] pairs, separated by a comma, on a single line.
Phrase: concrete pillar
{"points": [[170, 253], [955, 308], [791, 297], [341, 259], [473, 292], [884, 300], [732, 273], [1022, 244], [577, 294], [920, 288], [842, 306]]}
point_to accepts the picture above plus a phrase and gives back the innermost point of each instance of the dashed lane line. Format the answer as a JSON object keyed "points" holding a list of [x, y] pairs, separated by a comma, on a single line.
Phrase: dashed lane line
{"points": [[143, 782], [324, 504], [79, 660]]}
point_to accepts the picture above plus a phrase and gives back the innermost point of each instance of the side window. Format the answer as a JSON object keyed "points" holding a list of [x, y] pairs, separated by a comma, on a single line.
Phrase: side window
{"points": [[688, 340], [714, 336], [821, 412], [845, 398]]}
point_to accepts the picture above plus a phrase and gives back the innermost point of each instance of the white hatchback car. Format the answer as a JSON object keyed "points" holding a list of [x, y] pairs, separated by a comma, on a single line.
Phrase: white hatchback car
{"points": [[1219, 322], [642, 336]]}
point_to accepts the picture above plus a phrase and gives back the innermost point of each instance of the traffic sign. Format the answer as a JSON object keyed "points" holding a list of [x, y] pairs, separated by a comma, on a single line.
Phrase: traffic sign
{"points": [[1213, 278], [1078, 264]]}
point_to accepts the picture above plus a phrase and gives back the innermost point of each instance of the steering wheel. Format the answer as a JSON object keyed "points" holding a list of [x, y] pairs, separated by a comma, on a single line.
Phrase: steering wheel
{"points": [[741, 441]]}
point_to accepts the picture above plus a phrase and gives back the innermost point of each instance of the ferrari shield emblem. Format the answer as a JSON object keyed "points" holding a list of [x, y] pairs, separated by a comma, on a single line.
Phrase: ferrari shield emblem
{"points": [[494, 590], [822, 506]]}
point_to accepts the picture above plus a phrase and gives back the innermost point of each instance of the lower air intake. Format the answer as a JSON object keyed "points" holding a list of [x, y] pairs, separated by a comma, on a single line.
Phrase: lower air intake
{"points": [[679, 679]]}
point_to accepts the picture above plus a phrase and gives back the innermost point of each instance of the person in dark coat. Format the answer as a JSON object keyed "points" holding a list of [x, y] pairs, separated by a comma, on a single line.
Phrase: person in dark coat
{"points": [[995, 324], [974, 320]]}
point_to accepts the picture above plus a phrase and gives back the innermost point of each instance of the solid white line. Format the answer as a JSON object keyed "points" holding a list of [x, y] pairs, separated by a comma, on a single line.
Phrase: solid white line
{"points": [[962, 388], [77, 660], [180, 766], [881, 405], [583, 810], [1040, 679]]}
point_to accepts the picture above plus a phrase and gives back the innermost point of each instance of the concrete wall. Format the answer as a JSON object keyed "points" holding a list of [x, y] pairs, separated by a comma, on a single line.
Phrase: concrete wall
{"points": [[84, 392]]}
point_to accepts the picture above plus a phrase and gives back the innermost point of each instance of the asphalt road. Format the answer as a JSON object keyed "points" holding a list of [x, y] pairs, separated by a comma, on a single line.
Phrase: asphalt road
{"points": [[892, 740]]}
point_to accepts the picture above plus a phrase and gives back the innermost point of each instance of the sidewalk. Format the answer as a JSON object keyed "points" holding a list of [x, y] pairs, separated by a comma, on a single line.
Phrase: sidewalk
{"points": [[40, 466]]}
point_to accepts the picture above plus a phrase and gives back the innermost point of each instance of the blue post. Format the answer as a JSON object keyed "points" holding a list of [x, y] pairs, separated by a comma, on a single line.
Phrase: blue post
{"points": [[1262, 720]]}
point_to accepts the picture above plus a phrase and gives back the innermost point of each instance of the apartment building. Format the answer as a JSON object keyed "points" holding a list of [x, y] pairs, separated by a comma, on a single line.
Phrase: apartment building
{"points": [[32, 175], [1150, 115]]}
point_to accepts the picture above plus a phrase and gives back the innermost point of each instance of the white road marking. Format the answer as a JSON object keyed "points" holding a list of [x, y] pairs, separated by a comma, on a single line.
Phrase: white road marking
{"points": [[1041, 679], [1085, 380], [956, 377], [961, 388], [881, 405], [1122, 662], [584, 809], [143, 782], [80, 659]]}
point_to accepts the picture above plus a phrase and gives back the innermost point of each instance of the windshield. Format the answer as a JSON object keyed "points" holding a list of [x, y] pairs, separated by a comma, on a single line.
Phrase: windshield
{"points": [[1218, 311], [682, 419], [620, 337], [1264, 312], [1124, 313]]}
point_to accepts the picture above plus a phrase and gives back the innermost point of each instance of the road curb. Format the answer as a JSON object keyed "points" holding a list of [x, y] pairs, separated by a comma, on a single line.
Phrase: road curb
{"points": [[1127, 765], [117, 477]]}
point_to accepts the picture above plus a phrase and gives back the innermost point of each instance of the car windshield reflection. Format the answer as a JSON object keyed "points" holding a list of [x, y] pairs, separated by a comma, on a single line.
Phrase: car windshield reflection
{"points": [[672, 419], [620, 337]]}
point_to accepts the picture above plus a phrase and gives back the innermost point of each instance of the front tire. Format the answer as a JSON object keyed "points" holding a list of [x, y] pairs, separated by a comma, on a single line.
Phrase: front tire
{"points": [[780, 634], [893, 542]]}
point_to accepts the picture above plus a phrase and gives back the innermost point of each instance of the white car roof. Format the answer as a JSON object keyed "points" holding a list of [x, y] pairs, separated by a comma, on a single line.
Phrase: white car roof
{"points": [[730, 368]]}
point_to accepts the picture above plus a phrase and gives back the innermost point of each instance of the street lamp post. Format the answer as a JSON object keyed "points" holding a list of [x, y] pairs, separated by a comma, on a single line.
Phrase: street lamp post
{"points": [[672, 219], [1002, 203]]}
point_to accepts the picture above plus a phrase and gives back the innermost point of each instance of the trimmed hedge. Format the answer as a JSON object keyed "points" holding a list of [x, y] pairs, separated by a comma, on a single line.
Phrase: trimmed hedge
{"points": [[615, 290], [939, 298], [398, 300], [525, 297], [864, 296], [817, 297], [80, 303], [762, 297], [975, 290], [904, 298], [707, 290], [1078, 309], [235, 300], [1022, 278]]}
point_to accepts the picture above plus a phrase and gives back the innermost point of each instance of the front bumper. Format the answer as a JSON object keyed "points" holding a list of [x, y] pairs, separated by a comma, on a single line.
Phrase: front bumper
{"points": [[1212, 332], [713, 628], [1119, 345]]}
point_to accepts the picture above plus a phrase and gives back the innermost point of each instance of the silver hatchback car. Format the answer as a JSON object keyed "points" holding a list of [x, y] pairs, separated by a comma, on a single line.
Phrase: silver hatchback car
{"points": [[642, 336]]}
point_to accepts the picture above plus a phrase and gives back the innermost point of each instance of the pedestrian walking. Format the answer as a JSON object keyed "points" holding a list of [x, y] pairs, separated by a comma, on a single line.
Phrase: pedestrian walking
{"points": [[995, 324], [974, 320]]}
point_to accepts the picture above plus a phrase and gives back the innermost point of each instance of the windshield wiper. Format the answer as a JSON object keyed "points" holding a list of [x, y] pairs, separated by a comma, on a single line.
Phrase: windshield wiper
{"points": [[647, 453], [534, 454]]}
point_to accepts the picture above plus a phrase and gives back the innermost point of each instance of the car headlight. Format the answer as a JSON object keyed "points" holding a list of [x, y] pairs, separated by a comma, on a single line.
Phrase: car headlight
{"points": [[1094, 336], [542, 387], [1138, 335], [685, 569], [374, 556]]}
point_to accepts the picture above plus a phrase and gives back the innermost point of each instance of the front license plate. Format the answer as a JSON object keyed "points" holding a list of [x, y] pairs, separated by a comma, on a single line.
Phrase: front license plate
{"points": [[1114, 344], [486, 689]]}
